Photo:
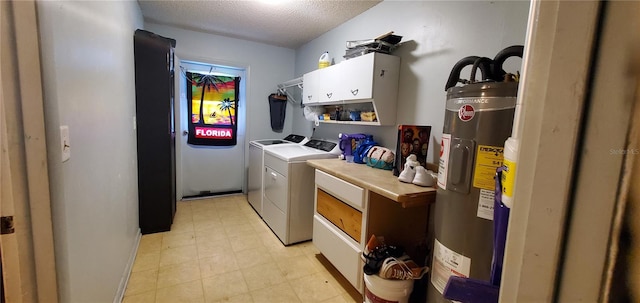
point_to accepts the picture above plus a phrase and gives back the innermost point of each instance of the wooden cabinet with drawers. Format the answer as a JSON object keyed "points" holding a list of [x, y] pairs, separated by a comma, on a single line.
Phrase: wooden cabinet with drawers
{"points": [[337, 225], [353, 202]]}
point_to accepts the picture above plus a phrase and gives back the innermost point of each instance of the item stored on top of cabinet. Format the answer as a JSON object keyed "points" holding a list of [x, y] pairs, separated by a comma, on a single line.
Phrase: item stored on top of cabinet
{"points": [[368, 83], [409, 171], [348, 143], [324, 60], [360, 154], [478, 120], [412, 140], [382, 44], [380, 157], [416, 174], [424, 177]]}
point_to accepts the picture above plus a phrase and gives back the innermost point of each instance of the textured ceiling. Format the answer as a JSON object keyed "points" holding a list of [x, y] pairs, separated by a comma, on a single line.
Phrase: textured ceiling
{"points": [[290, 23]]}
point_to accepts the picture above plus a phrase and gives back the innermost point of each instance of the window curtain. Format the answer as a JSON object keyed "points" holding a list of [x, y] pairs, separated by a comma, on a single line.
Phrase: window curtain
{"points": [[213, 103]]}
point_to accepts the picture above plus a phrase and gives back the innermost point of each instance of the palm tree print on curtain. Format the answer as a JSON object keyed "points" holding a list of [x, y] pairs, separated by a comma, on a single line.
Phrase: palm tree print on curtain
{"points": [[228, 105], [212, 110]]}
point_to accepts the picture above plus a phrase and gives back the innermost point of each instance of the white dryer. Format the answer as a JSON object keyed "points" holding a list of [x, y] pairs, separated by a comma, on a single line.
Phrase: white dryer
{"points": [[289, 188], [256, 166]]}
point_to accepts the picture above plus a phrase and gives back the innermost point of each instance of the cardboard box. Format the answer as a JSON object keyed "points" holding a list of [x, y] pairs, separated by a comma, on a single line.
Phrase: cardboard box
{"points": [[412, 139]]}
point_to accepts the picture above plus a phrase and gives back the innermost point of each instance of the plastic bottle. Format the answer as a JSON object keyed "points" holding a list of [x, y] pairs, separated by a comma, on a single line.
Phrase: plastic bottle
{"points": [[509, 171], [324, 60]]}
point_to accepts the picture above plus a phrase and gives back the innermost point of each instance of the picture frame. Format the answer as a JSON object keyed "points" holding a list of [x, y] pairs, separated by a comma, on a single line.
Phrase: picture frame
{"points": [[412, 139]]}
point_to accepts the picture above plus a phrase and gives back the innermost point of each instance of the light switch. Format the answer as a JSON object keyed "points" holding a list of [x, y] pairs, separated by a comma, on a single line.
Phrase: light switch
{"points": [[65, 144]]}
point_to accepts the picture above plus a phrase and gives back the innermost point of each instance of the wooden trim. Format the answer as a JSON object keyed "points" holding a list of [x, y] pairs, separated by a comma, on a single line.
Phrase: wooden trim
{"points": [[556, 66], [603, 152], [37, 197], [18, 287]]}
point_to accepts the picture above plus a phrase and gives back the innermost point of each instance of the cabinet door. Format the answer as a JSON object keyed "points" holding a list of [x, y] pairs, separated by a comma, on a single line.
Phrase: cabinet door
{"points": [[357, 81], [328, 82], [310, 89]]}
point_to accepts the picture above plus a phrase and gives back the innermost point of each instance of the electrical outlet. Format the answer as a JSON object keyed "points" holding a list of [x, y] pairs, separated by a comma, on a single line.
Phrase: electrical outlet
{"points": [[65, 143]]}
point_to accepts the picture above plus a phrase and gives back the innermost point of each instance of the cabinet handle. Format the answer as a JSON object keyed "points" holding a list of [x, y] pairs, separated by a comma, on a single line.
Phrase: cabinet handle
{"points": [[273, 176], [354, 91], [329, 95], [309, 97]]}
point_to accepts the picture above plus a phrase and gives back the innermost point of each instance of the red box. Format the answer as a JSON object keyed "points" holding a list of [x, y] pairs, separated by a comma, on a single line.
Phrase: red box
{"points": [[412, 139]]}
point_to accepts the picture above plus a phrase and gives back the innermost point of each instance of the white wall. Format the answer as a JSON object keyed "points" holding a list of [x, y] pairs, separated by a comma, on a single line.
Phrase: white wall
{"points": [[88, 75], [436, 34], [266, 67]]}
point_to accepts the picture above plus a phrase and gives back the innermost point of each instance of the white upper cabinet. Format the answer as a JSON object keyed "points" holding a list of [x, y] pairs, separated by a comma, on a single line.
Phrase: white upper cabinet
{"points": [[310, 90], [330, 79], [321, 85], [368, 82], [357, 78]]}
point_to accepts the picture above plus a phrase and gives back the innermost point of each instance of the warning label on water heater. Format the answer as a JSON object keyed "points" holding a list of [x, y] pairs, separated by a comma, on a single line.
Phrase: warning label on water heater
{"points": [[488, 159], [485, 204], [447, 263], [443, 166]]}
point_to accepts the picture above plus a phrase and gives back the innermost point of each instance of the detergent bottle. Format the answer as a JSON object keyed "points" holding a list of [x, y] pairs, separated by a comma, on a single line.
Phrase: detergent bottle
{"points": [[324, 60]]}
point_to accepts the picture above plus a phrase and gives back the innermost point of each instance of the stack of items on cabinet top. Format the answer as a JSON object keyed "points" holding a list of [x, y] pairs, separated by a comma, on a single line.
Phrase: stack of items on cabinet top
{"points": [[382, 44]]}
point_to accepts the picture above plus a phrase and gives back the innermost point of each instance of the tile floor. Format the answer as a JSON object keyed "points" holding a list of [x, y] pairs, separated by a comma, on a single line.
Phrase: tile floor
{"points": [[219, 250]]}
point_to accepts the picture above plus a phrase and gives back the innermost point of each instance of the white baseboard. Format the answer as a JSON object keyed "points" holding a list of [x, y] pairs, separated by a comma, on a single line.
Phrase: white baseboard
{"points": [[127, 271]]}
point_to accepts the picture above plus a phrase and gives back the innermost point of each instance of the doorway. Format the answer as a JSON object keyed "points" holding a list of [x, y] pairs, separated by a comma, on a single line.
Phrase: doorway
{"points": [[208, 170]]}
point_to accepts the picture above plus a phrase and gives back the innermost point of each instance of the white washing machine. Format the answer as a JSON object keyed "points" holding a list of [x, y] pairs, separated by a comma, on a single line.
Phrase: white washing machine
{"points": [[256, 166], [287, 204]]}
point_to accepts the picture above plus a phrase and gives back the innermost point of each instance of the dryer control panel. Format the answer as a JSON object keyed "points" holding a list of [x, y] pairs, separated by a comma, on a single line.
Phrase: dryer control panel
{"points": [[321, 145]]}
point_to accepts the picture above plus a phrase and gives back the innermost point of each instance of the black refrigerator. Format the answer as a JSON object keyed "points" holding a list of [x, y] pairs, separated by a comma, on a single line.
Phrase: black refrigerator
{"points": [[155, 131]]}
